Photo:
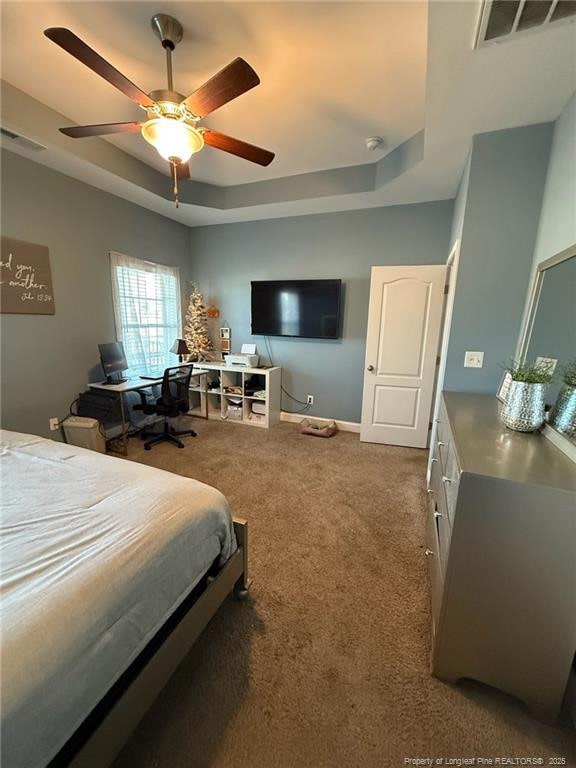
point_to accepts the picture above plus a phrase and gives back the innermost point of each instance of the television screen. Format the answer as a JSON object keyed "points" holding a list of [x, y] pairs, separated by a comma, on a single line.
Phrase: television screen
{"points": [[306, 308]]}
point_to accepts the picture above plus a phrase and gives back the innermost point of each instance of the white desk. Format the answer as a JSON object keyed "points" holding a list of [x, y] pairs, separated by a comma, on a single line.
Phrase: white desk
{"points": [[133, 384]]}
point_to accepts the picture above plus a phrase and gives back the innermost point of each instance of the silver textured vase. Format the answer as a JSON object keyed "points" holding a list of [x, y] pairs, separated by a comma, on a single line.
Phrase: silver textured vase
{"points": [[524, 406], [563, 415]]}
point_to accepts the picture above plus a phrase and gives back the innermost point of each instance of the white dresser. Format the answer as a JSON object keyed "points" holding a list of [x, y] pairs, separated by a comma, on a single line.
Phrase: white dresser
{"points": [[501, 547]]}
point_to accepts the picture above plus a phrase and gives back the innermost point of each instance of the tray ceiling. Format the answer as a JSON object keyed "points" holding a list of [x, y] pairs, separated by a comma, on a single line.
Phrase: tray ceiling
{"points": [[332, 74]]}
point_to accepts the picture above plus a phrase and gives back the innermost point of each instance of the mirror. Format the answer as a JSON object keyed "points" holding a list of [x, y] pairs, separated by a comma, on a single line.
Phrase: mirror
{"points": [[551, 329]]}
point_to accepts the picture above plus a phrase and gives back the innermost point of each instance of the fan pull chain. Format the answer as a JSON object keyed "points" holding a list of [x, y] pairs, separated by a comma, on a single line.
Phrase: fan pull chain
{"points": [[175, 174]]}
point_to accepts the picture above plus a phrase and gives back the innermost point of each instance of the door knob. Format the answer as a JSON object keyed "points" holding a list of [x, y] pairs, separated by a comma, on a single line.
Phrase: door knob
{"points": [[370, 368]]}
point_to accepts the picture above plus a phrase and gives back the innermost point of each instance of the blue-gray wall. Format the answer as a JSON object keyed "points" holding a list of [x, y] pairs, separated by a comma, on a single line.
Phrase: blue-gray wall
{"points": [[497, 214], [46, 359], [226, 258], [557, 226]]}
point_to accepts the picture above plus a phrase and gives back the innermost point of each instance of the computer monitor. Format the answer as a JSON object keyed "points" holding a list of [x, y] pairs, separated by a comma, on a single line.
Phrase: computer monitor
{"points": [[113, 361]]}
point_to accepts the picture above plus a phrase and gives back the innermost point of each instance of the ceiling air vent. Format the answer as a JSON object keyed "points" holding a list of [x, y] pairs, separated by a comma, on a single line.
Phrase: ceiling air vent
{"points": [[500, 19], [21, 141]]}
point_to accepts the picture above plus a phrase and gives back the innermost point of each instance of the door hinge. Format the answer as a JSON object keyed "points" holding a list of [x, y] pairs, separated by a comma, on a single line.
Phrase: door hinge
{"points": [[438, 360], [429, 425], [446, 288]]}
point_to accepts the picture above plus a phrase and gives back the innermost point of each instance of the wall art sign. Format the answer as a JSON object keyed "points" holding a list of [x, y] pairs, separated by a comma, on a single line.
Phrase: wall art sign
{"points": [[25, 279]]}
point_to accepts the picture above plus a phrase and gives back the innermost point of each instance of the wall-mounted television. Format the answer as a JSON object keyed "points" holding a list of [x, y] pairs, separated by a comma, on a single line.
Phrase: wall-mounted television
{"points": [[305, 308]]}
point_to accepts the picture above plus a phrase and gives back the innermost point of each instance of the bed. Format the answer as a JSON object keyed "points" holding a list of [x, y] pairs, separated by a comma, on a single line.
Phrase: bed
{"points": [[99, 555]]}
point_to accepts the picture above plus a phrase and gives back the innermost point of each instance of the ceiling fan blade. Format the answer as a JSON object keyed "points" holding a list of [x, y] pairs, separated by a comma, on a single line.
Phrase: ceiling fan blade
{"points": [[232, 81], [183, 171], [77, 48], [81, 131], [238, 148]]}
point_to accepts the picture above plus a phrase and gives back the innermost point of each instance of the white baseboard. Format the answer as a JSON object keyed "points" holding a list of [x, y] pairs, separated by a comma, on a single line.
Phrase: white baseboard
{"points": [[343, 426]]}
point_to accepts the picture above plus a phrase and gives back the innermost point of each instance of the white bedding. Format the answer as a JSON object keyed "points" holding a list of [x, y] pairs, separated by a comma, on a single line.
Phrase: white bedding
{"points": [[96, 554]]}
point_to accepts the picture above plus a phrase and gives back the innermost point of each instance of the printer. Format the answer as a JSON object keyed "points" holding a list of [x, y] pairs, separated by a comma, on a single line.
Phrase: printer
{"points": [[246, 357]]}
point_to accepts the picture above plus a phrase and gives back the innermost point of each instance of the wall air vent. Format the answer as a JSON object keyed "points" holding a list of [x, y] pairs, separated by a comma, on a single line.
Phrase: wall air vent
{"points": [[502, 19], [21, 141]]}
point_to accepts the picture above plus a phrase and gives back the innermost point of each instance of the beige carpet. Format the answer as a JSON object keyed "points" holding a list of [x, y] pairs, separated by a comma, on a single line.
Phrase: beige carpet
{"points": [[327, 664]]}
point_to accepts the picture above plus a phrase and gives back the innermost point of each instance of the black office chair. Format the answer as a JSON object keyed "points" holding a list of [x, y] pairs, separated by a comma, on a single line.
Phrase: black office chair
{"points": [[173, 402]]}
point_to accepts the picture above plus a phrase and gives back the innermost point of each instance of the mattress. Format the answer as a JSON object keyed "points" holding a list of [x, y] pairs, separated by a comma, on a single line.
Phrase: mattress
{"points": [[96, 553]]}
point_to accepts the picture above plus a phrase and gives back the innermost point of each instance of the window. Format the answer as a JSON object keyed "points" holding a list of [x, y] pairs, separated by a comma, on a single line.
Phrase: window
{"points": [[147, 311]]}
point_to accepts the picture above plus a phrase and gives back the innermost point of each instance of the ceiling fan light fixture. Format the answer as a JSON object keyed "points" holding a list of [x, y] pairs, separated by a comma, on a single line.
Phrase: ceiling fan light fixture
{"points": [[173, 139], [172, 124]]}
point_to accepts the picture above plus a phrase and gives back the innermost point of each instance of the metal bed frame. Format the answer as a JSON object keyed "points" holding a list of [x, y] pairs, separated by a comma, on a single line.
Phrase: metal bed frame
{"points": [[98, 741]]}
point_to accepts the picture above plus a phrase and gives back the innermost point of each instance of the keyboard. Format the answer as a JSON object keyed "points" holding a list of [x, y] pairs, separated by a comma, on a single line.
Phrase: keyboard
{"points": [[158, 377]]}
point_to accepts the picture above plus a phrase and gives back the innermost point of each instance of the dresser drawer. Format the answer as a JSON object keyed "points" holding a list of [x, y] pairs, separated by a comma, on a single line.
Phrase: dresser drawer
{"points": [[445, 453], [434, 565], [443, 433], [449, 467], [437, 498], [451, 483], [449, 477]]}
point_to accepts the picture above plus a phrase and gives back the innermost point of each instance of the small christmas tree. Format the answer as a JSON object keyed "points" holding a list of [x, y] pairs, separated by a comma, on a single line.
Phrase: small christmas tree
{"points": [[196, 327]]}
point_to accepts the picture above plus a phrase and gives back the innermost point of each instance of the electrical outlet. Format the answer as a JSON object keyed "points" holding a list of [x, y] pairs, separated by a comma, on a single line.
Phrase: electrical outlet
{"points": [[54, 424], [310, 399], [473, 359]]}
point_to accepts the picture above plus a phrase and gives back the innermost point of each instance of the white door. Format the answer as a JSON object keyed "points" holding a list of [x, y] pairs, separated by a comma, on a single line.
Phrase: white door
{"points": [[404, 319]]}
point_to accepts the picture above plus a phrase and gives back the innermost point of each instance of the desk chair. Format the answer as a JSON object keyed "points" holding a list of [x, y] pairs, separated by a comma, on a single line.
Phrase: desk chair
{"points": [[173, 401]]}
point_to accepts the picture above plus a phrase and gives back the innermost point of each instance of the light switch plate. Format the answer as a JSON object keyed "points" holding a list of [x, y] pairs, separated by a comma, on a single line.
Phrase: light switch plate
{"points": [[473, 359]]}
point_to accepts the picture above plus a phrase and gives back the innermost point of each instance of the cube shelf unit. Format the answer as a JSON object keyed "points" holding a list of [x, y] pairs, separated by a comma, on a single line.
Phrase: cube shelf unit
{"points": [[232, 407]]}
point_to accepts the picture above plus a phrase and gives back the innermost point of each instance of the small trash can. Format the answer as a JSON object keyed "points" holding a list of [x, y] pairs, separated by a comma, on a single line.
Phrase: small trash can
{"points": [[85, 433]]}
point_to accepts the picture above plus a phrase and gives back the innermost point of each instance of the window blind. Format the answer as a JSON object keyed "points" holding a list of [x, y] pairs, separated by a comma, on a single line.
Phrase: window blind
{"points": [[147, 311]]}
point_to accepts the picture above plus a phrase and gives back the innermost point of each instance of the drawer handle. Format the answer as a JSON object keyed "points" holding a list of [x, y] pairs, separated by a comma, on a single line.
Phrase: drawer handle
{"points": [[441, 443], [446, 480], [438, 514], [428, 552], [433, 460]]}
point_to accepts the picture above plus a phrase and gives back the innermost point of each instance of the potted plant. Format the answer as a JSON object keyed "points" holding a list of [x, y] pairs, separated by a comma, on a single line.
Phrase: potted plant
{"points": [[525, 402], [563, 415]]}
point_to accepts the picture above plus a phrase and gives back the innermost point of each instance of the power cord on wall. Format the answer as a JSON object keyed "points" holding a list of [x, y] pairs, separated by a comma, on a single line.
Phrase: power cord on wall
{"points": [[60, 422], [285, 391]]}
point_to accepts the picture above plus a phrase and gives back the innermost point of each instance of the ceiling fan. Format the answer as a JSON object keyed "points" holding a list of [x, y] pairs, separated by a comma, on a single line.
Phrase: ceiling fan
{"points": [[173, 120]]}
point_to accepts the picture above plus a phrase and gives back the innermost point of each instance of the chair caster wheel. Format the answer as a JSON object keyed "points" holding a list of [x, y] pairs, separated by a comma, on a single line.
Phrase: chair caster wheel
{"points": [[240, 593], [147, 447]]}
